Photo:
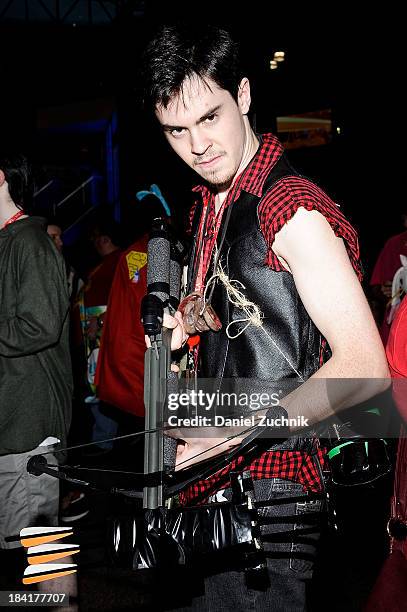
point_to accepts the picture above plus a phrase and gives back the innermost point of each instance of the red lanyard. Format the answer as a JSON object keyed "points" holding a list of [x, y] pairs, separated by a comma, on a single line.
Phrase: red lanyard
{"points": [[200, 280], [15, 217], [228, 201]]}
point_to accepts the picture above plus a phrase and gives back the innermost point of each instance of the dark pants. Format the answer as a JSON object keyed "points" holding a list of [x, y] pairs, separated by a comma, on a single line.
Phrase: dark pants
{"points": [[289, 538]]}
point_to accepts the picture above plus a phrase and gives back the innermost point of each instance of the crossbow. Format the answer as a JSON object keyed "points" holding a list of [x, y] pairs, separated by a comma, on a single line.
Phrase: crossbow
{"points": [[160, 526]]}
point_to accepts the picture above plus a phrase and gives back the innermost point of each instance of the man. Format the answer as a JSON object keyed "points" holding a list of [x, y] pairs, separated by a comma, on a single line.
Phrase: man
{"points": [[89, 309], [35, 367], [297, 259], [90, 305], [55, 233], [89, 313]]}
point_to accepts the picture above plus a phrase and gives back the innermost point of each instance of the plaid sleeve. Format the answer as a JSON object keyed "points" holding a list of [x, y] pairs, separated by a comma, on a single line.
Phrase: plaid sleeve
{"points": [[281, 203], [296, 466]]}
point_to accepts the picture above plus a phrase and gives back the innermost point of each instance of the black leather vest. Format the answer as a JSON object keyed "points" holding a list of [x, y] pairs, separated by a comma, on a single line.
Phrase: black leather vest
{"points": [[286, 324], [287, 347]]}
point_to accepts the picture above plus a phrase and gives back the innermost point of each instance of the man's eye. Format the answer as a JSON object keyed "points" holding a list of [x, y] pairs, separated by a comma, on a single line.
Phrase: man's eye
{"points": [[177, 132], [210, 118]]}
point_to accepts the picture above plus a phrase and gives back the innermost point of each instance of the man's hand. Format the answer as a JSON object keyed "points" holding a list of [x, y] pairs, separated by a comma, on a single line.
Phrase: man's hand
{"points": [[179, 335], [200, 443], [193, 450]]}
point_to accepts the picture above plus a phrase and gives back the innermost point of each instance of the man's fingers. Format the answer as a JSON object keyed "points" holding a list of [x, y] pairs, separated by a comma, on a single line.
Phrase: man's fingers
{"points": [[181, 447], [170, 322], [196, 450], [179, 337], [178, 317]]}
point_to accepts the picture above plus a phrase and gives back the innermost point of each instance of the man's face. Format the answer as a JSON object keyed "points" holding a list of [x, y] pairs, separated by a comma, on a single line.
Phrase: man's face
{"points": [[54, 232], [100, 242], [97, 241], [205, 126]]}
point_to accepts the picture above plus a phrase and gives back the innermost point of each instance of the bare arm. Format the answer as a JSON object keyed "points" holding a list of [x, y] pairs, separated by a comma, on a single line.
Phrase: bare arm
{"points": [[334, 299]]}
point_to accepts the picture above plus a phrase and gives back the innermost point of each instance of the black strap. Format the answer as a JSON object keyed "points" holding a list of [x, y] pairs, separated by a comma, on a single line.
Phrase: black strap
{"points": [[280, 501], [158, 287]]}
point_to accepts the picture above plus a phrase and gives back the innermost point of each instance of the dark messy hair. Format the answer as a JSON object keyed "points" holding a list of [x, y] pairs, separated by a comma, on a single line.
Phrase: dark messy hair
{"points": [[19, 177], [180, 52], [53, 221]]}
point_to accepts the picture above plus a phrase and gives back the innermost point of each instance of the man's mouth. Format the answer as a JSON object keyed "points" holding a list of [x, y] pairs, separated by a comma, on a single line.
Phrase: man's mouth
{"points": [[209, 162]]}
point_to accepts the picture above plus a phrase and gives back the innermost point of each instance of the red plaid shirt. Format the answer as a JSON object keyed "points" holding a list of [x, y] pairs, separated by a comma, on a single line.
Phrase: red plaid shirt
{"points": [[298, 466], [276, 208]]}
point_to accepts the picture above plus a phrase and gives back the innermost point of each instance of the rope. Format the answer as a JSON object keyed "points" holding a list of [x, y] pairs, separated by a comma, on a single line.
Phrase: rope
{"points": [[254, 316]]}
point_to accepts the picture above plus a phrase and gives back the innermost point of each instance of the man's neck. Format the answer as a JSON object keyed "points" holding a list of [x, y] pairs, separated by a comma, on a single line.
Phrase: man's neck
{"points": [[109, 249], [251, 146], [7, 210]]}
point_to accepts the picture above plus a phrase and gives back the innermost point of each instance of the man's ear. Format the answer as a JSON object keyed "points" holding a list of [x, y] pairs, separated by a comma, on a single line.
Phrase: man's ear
{"points": [[243, 96], [2, 177]]}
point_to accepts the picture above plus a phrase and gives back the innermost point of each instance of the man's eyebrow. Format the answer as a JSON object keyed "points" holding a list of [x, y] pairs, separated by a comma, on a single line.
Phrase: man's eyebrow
{"points": [[166, 127], [210, 112]]}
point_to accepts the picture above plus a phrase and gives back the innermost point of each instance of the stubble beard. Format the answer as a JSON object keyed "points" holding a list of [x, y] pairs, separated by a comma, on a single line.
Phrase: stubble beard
{"points": [[219, 180], [216, 178]]}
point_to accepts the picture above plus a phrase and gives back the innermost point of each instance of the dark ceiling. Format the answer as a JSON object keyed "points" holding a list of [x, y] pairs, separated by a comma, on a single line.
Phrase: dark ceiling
{"points": [[336, 57], [46, 62]]}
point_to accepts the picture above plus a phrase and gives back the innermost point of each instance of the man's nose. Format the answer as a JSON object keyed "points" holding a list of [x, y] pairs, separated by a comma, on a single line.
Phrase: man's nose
{"points": [[200, 143]]}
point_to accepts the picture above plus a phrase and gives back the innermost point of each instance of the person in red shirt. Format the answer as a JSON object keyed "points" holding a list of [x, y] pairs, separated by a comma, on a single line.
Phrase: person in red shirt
{"points": [[381, 280], [88, 315], [396, 352], [120, 370], [390, 589], [88, 312]]}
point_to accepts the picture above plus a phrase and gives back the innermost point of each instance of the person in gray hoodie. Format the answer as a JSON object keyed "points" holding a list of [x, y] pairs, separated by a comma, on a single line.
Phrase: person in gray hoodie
{"points": [[35, 366]]}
